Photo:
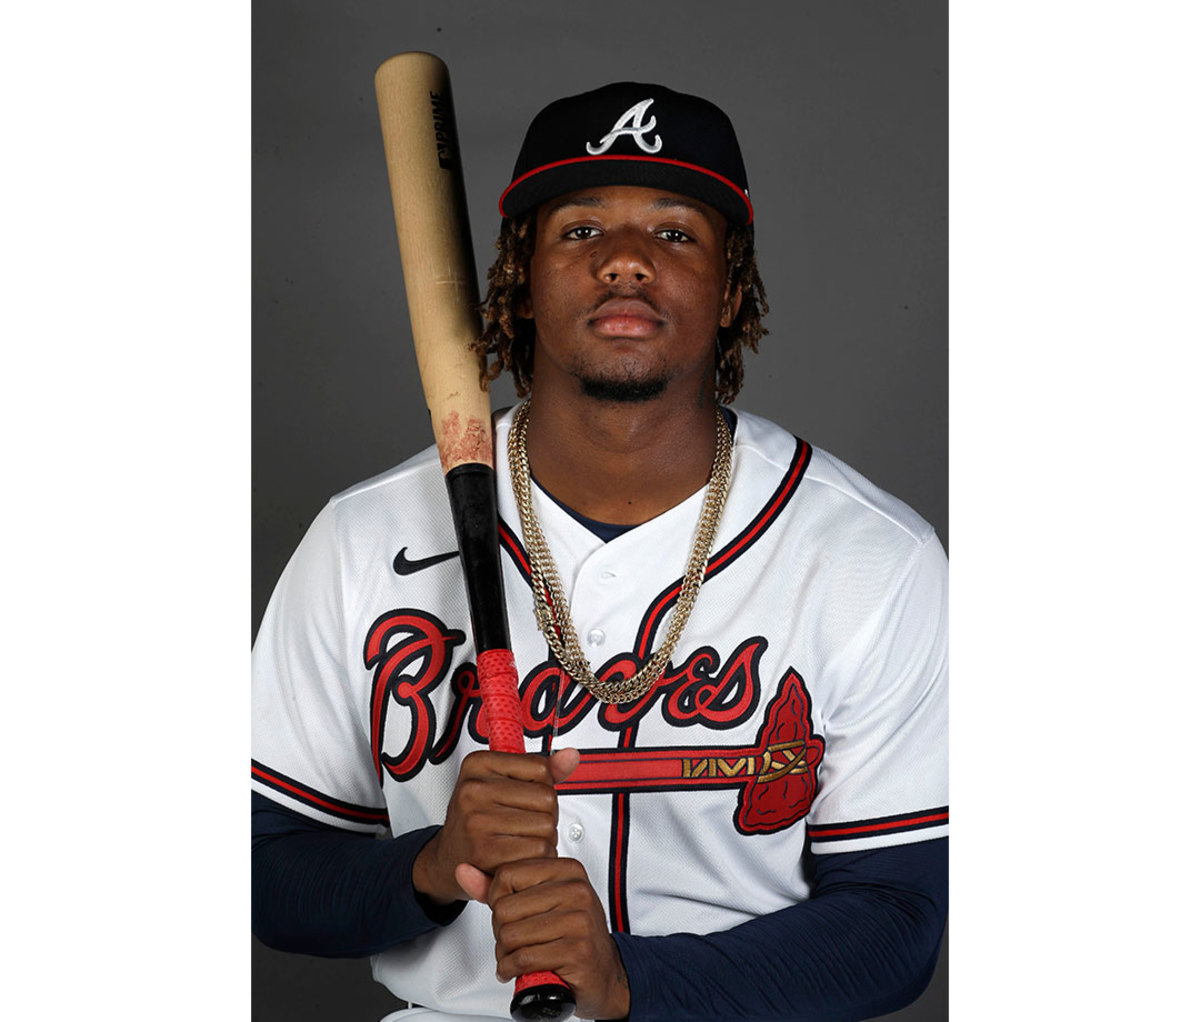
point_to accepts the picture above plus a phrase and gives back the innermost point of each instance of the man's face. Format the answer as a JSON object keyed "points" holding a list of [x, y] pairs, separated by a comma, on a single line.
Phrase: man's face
{"points": [[627, 290]]}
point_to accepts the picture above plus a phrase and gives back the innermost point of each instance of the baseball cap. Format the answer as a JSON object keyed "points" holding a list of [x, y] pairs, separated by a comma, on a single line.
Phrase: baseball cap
{"points": [[631, 133]]}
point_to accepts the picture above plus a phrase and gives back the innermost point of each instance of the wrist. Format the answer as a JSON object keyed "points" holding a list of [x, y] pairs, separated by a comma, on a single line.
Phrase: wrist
{"points": [[427, 880], [617, 1004]]}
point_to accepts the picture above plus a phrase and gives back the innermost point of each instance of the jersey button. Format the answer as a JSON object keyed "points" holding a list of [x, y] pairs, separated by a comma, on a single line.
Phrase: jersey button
{"points": [[575, 832], [595, 637], [607, 576]]}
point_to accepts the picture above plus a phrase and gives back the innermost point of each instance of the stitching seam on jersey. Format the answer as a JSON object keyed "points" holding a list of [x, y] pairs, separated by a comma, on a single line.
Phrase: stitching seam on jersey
{"points": [[917, 537]]}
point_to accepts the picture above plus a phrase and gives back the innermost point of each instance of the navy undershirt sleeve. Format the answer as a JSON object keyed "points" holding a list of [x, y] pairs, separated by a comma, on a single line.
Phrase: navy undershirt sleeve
{"points": [[864, 944], [321, 890]]}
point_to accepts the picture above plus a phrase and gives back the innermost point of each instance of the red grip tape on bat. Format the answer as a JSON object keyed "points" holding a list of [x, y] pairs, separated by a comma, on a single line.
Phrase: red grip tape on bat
{"points": [[497, 673], [498, 689]]}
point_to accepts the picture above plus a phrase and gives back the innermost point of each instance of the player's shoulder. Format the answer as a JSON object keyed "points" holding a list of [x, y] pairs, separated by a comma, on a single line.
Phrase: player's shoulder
{"points": [[411, 495], [422, 469], [861, 497], [830, 490]]}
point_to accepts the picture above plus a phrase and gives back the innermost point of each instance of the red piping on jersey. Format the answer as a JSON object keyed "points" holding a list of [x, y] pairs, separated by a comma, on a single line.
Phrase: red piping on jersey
{"points": [[633, 159], [620, 811], [732, 550], [310, 797], [619, 850], [509, 542], [929, 818]]}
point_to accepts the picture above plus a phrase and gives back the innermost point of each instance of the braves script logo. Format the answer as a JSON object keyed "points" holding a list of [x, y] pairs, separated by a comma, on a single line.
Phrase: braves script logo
{"points": [[776, 778], [631, 122], [410, 652]]}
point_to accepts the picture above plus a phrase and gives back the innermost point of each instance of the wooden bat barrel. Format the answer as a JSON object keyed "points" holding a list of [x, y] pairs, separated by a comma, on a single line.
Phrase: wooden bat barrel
{"points": [[420, 139]]}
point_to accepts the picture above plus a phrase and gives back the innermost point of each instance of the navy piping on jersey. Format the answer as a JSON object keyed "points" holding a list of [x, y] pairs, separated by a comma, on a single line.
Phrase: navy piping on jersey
{"points": [[899, 824], [316, 799]]}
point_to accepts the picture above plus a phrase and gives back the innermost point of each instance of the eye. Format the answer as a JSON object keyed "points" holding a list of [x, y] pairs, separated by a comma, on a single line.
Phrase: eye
{"points": [[584, 232], [674, 235]]}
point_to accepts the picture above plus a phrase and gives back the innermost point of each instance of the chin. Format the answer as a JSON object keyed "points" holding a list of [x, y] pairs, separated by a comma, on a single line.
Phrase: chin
{"points": [[626, 390]]}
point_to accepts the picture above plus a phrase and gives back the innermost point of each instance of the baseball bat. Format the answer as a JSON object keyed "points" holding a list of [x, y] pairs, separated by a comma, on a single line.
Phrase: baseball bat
{"points": [[420, 142]]}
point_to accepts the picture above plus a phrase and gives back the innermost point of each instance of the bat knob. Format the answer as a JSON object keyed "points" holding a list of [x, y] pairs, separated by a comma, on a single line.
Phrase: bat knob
{"points": [[546, 1002]]}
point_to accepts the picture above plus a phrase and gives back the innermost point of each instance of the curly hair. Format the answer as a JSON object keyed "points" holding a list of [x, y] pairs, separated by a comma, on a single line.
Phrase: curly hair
{"points": [[509, 337]]}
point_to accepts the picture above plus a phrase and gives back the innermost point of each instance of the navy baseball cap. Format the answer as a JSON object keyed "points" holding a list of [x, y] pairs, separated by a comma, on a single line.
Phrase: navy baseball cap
{"points": [[631, 133]]}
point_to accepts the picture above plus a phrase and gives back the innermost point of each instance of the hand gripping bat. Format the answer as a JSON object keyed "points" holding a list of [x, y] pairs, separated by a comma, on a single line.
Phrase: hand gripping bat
{"points": [[420, 142]]}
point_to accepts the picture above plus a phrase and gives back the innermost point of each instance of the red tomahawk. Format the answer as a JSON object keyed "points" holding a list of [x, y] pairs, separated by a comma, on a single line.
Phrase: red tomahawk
{"points": [[776, 778]]}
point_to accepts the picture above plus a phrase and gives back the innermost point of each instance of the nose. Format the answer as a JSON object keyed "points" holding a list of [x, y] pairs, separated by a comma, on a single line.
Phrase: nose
{"points": [[625, 257]]}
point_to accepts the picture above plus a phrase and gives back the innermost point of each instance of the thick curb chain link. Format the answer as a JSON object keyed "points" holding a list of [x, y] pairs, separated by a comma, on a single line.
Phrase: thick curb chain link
{"points": [[550, 603]]}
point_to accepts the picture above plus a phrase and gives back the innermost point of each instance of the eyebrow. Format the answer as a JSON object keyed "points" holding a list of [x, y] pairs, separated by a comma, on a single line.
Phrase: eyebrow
{"points": [[595, 202], [671, 201], [591, 201]]}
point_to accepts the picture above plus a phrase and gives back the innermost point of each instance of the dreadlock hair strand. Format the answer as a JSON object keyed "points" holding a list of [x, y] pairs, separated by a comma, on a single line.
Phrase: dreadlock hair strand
{"points": [[746, 329], [506, 334]]}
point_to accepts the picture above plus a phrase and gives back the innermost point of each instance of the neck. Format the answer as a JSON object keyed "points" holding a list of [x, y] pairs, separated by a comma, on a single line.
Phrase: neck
{"points": [[621, 462]]}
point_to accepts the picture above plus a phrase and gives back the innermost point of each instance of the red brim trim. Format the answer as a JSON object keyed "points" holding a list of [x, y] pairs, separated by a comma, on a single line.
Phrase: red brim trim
{"points": [[633, 159]]}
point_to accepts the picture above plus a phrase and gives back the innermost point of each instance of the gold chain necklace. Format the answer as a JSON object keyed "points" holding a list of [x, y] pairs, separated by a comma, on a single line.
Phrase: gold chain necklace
{"points": [[550, 603]]}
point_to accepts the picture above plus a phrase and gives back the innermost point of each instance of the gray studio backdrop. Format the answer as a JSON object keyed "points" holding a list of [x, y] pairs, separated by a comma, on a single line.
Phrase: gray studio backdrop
{"points": [[840, 106]]}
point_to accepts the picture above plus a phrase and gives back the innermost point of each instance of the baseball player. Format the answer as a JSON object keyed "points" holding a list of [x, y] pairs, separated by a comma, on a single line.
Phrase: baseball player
{"points": [[732, 648]]}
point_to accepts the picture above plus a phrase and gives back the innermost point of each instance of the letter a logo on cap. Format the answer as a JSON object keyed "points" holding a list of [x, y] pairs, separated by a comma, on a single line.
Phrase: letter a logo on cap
{"points": [[630, 123]]}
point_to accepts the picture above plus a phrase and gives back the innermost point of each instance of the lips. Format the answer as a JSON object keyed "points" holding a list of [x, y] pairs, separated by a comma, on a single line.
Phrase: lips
{"points": [[625, 317]]}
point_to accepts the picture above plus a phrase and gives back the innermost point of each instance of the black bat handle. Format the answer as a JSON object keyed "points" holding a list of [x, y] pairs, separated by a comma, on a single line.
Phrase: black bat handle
{"points": [[542, 996]]}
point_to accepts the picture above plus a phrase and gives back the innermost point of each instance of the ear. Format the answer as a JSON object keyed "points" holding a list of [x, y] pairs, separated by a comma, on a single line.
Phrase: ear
{"points": [[525, 306], [731, 305]]}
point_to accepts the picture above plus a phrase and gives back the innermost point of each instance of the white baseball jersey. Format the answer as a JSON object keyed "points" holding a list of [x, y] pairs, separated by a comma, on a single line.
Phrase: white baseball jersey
{"points": [[805, 700]]}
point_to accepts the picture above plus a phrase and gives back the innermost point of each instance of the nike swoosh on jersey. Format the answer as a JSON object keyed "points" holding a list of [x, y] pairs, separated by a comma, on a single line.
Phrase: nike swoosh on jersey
{"points": [[403, 566]]}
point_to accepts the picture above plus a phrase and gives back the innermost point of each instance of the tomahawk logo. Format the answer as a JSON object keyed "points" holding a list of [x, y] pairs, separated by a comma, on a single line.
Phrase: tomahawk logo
{"points": [[631, 122], [775, 778]]}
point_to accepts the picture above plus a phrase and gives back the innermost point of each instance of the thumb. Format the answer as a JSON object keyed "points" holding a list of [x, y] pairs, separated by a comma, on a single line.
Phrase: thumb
{"points": [[475, 882], [563, 764]]}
